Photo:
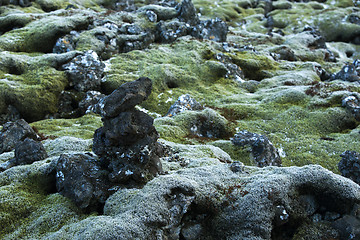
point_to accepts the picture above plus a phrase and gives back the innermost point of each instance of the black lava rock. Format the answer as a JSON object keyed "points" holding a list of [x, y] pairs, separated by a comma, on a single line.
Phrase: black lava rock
{"points": [[167, 32], [15, 132], [263, 151], [187, 12], [318, 41], [126, 97], [184, 102], [80, 178], [85, 71], [353, 104], [349, 165], [29, 151], [233, 70], [348, 227], [350, 72], [213, 29], [127, 143], [66, 43], [89, 102]]}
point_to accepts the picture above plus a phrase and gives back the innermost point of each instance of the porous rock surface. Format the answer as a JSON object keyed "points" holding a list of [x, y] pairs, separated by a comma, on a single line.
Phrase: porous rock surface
{"points": [[127, 143]]}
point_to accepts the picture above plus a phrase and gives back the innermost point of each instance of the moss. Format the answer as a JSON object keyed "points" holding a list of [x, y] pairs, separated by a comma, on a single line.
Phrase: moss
{"points": [[184, 67], [41, 35], [54, 212], [34, 93], [254, 65], [236, 153], [82, 127], [21, 195]]}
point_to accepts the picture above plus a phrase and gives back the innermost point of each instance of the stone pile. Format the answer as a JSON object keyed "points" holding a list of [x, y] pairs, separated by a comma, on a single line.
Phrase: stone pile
{"points": [[126, 146], [127, 143]]}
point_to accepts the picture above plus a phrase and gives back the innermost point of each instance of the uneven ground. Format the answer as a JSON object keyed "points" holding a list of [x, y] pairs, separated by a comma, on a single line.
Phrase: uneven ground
{"points": [[279, 94]]}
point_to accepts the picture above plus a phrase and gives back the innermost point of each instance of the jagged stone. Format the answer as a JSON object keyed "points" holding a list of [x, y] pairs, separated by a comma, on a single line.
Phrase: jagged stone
{"points": [[14, 132], [263, 151], [29, 151], [213, 29], [85, 71], [349, 165], [352, 103], [127, 143], [126, 97], [184, 102], [80, 178], [349, 72]]}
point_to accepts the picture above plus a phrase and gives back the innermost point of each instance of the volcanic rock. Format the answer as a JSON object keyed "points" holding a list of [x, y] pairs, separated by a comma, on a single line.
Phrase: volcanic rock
{"points": [[127, 143], [263, 151]]}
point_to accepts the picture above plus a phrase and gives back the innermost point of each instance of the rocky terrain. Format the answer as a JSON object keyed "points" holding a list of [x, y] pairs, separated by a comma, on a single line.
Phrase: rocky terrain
{"points": [[170, 119]]}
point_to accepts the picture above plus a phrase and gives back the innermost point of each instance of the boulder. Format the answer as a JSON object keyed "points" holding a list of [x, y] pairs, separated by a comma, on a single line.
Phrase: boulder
{"points": [[79, 177], [14, 132], [262, 150]]}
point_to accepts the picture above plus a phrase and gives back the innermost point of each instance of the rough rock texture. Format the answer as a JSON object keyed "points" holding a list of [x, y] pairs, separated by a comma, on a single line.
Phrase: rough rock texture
{"points": [[349, 166], [127, 143], [184, 102], [214, 202], [262, 150], [85, 71], [288, 70], [80, 178], [29, 151], [352, 103], [14, 132]]}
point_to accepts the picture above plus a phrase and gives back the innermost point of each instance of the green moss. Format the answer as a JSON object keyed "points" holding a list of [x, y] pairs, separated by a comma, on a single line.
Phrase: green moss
{"points": [[83, 127], [254, 65], [180, 68], [41, 35], [34, 93]]}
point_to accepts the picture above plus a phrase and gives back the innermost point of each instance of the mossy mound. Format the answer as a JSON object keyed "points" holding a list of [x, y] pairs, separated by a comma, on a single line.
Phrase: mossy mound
{"points": [[83, 127]]}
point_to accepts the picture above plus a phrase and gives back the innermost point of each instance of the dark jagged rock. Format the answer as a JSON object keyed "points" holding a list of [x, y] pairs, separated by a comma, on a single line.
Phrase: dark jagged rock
{"points": [[14, 132], [29, 151], [66, 43], [187, 12], [263, 151], [349, 165], [353, 18], [233, 70], [127, 143], [85, 71], [80, 178], [184, 102], [350, 72], [90, 101], [284, 53], [126, 97], [167, 32], [353, 104], [213, 29], [188, 23], [11, 115], [319, 40], [348, 226]]}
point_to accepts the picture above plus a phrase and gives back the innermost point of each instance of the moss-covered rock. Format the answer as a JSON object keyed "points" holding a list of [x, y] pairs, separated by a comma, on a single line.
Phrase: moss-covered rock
{"points": [[83, 127], [41, 35]]}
